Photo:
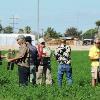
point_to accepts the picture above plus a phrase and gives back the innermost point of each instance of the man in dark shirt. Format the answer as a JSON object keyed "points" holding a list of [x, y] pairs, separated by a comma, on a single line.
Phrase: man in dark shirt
{"points": [[33, 62]]}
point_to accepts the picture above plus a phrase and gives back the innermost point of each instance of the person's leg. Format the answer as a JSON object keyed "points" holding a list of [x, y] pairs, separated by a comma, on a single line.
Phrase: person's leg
{"points": [[34, 75], [23, 75], [48, 75], [44, 74], [8, 65], [98, 75], [31, 72], [93, 82], [39, 75], [12, 65], [60, 74], [94, 75], [68, 73]]}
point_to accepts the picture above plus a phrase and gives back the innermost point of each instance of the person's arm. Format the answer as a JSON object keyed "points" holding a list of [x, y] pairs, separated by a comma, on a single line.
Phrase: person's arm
{"points": [[94, 59], [20, 55], [2, 56]]}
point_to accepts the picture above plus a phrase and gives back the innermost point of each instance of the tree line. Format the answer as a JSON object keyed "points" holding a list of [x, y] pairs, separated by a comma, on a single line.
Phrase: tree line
{"points": [[52, 33], [10, 29], [74, 32]]}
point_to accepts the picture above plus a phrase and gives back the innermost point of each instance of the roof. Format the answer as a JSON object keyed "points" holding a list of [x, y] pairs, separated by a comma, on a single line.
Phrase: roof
{"points": [[88, 39], [67, 38]]}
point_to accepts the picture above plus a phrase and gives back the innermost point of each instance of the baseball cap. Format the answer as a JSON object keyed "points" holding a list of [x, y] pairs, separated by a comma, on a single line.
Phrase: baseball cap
{"points": [[41, 40], [28, 38]]}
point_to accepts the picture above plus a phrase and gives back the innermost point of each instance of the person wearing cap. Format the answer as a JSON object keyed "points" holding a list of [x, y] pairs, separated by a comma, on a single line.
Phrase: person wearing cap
{"points": [[21, 60], [94, 55], [33, 55], [44, 68], [63, 56]]}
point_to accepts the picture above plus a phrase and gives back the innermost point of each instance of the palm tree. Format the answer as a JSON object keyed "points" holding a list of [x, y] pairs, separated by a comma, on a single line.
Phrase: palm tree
{"points": [[21, 31], [1, 28], [27, 29], [8, 29], [98, 26]]}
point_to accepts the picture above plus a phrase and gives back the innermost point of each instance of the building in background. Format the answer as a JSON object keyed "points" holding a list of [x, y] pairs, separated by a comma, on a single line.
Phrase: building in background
{"points": [[8, 41]]}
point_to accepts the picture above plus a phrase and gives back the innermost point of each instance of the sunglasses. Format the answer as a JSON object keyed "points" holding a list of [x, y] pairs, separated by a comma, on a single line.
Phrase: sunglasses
{"points": [[43, 43]]}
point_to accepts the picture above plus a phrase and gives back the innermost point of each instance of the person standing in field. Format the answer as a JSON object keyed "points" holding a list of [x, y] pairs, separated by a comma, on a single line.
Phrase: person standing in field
{"points": [[21, 60], [94, 55], [1, 57], [63, 56], [44, 68], [33, 55], [10, 54]]}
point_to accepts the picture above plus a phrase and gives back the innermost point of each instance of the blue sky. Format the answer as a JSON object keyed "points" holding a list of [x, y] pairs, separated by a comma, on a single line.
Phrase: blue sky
{"points": [[58, 14]]}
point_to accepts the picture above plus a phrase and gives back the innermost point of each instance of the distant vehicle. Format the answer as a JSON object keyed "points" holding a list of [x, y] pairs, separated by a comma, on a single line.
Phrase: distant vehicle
{"points": [[88, 42]]}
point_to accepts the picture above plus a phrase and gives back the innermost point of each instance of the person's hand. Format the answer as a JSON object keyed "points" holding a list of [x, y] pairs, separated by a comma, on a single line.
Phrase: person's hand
{"points": [[2, 56], [9, 60], [44, 55]]}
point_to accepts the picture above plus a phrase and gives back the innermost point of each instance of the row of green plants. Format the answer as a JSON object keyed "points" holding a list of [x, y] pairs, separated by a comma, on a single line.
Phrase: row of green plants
{"points": [[80, 90]]}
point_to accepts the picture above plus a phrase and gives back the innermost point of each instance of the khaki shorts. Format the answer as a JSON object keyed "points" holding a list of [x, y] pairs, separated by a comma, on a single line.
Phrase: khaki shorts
{"points": [[94, 72]]}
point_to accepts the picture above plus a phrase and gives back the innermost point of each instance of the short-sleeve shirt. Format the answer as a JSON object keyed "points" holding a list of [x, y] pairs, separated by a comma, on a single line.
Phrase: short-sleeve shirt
{"points": [[95, 53], [47, 51], [23, 54], [63, 54]]}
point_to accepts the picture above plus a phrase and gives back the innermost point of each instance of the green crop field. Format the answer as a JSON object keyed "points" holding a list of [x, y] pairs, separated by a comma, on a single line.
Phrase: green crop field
{"points": [[80, 90]]}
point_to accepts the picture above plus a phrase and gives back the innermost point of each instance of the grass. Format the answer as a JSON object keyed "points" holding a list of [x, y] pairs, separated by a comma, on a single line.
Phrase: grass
{"points": [[80, 90]]}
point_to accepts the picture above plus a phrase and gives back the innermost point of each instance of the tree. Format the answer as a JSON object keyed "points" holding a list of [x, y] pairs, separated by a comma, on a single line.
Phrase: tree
{"points": [[98, 23], [51, 33], [8, 29], [21, 31], [1, 28], [27, 29], [90, 33], [73, 32], [98, 26]]}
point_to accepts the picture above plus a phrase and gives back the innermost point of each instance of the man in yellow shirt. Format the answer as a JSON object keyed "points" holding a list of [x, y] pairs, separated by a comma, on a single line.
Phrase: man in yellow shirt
{"points": [[94, 54]]}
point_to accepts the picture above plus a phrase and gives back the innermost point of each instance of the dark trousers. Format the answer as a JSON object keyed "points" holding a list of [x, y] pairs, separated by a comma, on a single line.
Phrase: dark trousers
{"points": [[10, 66], [24, 73], [0, 61]]}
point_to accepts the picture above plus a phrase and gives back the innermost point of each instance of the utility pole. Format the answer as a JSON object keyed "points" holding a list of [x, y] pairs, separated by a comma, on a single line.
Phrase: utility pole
{"points": [[42, 32], [13, 18], [38, 19]]}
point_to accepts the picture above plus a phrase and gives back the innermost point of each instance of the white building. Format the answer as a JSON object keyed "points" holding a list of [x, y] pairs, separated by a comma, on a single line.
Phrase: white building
{"points": [[8, 41]]}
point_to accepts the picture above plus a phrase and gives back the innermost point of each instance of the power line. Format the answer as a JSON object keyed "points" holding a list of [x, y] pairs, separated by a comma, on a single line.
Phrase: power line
{"points": [[13, 18]]}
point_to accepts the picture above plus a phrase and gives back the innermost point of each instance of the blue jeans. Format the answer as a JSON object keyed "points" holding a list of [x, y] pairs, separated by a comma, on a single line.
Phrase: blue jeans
{"points": [[33, 74], [68, 70]]}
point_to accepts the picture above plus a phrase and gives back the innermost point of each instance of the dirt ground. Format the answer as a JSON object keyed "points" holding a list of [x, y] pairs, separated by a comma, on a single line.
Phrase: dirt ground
{"points": [[52, 47], [74, 47]]}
